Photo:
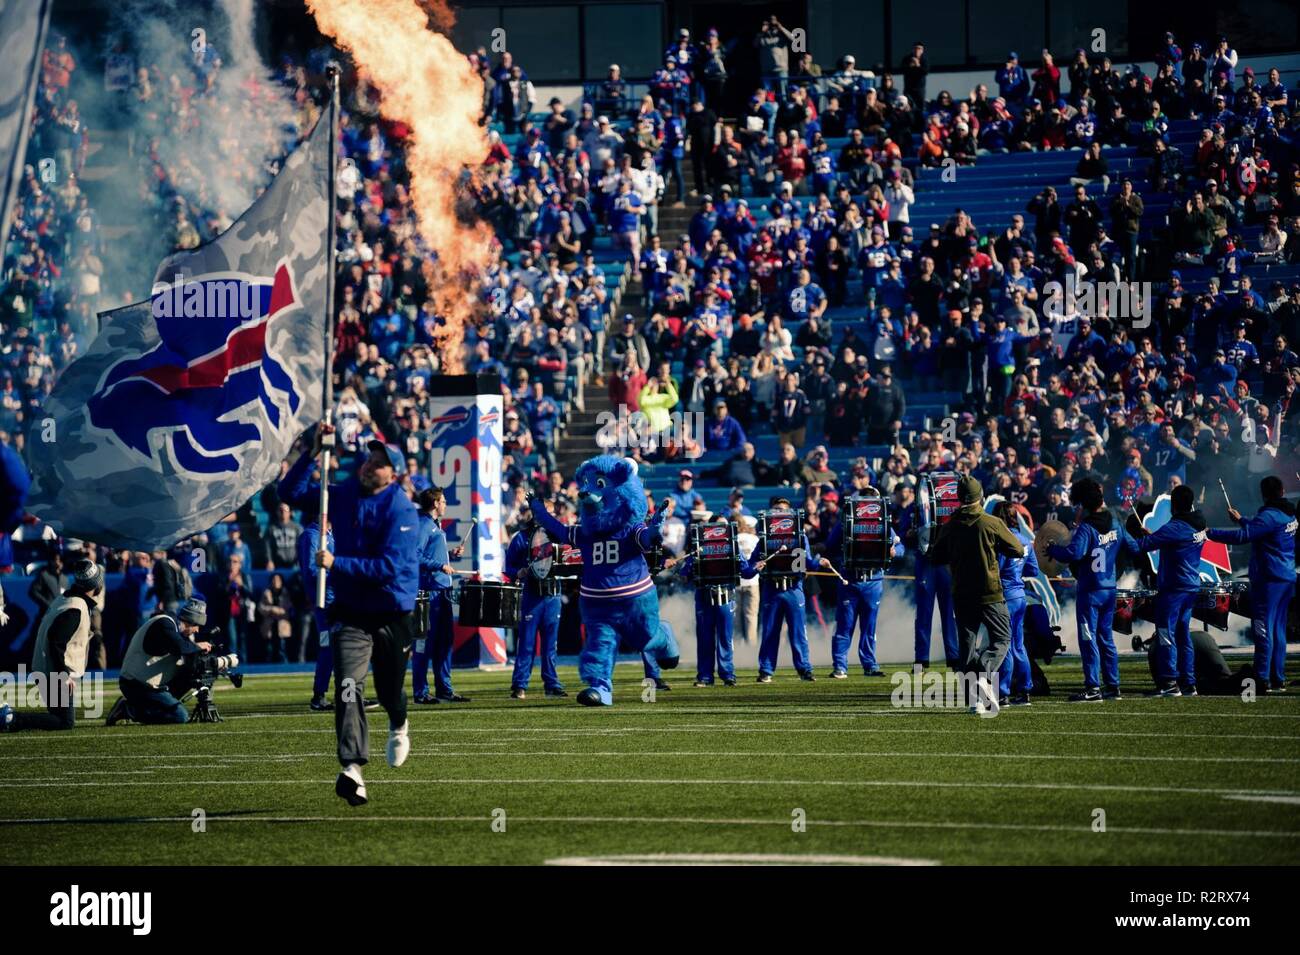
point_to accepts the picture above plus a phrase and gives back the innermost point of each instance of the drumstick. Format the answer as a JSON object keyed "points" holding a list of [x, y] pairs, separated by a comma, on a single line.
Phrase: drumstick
{"points": [[1225, 494]]}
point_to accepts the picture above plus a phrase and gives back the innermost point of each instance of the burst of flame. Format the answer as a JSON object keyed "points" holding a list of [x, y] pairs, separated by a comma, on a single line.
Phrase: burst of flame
{"points": [[429, 86]]}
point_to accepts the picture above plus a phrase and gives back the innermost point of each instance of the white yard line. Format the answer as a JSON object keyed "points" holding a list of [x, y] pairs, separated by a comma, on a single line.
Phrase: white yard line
{"points": [[1230, 793], [660, 821]]}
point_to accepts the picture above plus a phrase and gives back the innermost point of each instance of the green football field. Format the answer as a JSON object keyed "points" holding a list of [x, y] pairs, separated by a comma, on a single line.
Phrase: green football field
{"points": [[820, 771]]}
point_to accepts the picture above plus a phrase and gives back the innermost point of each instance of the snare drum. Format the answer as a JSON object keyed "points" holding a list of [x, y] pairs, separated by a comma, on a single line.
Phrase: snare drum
{"points": [[489, 603], [1213, 602], [1131, 606]]}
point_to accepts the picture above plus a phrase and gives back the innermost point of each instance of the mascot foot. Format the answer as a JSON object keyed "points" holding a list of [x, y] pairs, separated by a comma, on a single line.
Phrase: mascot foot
{"points": [[593, 697], [668, 663]]}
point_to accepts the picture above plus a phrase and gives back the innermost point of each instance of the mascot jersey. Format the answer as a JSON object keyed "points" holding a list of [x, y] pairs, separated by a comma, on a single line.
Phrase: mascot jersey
{"points": [[614, 566]]}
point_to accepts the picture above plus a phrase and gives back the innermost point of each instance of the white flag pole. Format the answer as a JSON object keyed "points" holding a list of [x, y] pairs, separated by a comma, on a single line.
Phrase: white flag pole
{"points": [[327, 401]]}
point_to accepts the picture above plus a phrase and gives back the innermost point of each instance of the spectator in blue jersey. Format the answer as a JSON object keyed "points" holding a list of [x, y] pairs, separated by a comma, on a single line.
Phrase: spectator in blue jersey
{"points": [[684, 496], [805, 299], [543, 419], [723, 432], [1016, 675], [1013, 81]]}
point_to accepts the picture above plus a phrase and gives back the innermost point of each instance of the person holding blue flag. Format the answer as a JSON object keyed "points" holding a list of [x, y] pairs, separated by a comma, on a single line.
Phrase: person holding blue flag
{"points": [[1271, 534], [1092, 552]]}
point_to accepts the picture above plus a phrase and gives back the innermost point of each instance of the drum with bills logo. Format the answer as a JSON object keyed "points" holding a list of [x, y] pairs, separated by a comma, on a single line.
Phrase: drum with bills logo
{"points": [[784, 554], [868, 539], [717, 559], [937, 500]]}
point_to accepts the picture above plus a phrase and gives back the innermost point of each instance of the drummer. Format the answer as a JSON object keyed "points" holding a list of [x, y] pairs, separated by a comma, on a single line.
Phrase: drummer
{"points": [[1271, 532], [714, 627], [1092, 553], [1178, 580], [539, 610], [782, 597], [859, 602], [435, 578]]}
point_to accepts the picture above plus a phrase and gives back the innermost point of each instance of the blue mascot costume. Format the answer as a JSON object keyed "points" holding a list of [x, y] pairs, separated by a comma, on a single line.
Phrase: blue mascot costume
{"points": [[617, 596]]}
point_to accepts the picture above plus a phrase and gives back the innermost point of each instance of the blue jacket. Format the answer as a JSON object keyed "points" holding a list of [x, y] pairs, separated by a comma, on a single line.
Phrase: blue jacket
{"points": [[1179, 543], [1014, 570], [1272, 534], [432, 549], [376, 567], [1093, 550]]}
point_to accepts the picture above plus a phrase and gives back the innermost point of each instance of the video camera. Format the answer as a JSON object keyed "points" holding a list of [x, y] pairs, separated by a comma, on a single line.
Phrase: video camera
{"points": [[202, 673]]}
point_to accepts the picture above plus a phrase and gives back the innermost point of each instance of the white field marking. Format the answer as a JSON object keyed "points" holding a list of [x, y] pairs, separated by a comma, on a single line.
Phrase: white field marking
{"points": [[731, 858], [1262, 797], [659, 821], [41, 781]]}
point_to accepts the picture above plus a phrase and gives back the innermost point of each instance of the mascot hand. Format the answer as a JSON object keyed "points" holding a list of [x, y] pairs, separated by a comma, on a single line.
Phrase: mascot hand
{"points": [[4, 619]]}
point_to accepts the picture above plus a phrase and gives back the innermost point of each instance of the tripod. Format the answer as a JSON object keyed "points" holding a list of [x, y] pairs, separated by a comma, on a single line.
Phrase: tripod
{"points": [[205, 710]]}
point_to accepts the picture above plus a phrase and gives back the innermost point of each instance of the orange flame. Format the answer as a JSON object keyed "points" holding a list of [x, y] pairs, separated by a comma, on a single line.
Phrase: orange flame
{"points": [[430, 87]]}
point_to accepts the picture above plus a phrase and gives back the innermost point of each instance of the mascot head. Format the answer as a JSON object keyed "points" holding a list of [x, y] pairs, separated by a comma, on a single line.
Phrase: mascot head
{"points": [[611, 497]]}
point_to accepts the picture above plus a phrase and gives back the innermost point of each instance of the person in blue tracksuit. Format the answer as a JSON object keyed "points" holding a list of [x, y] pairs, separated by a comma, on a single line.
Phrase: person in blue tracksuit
{"points": [[374, 568], [933, 582], [781, 596], [1178, 579], [308, 544], [858, 605], [1271, 534], [1092, 552], [435, 577], [539, 615], [1015, 675]]}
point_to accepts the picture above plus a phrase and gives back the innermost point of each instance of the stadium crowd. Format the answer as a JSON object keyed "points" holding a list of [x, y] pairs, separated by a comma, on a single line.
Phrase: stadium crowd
{"points": [[800, 310]]}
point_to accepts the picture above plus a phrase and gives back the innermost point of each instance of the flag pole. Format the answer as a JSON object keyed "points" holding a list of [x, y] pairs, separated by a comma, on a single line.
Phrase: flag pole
{"points": [[327, 400]]}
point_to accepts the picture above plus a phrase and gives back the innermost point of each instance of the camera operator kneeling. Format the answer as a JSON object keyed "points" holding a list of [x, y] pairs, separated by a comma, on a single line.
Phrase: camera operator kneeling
{"points": [[159, 653]]}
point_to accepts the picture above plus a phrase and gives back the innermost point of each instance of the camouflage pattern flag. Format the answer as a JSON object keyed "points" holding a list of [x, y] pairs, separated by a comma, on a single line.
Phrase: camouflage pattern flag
{"points": [[184, 406], [22, 34]]}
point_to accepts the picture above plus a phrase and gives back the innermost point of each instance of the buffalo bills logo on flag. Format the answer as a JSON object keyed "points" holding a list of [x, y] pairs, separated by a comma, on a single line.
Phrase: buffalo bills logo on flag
{"points": [[210, 385]]}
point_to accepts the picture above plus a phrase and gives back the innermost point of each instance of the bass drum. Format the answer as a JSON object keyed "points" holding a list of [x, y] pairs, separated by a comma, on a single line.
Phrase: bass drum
{"points": [[489, 603]]}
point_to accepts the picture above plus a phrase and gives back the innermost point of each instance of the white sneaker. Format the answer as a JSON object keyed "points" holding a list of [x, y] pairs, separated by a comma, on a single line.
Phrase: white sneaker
{"points": [[351, 786], [399, 744]]}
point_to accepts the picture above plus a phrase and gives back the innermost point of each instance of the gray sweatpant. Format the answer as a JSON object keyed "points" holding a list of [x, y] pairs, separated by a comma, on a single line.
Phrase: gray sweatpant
{"points": [[384, 642], [983, 658]]}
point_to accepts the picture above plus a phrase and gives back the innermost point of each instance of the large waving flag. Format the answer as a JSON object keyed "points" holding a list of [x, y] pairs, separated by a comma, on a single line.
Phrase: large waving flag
{"points": [[184, 406]]}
